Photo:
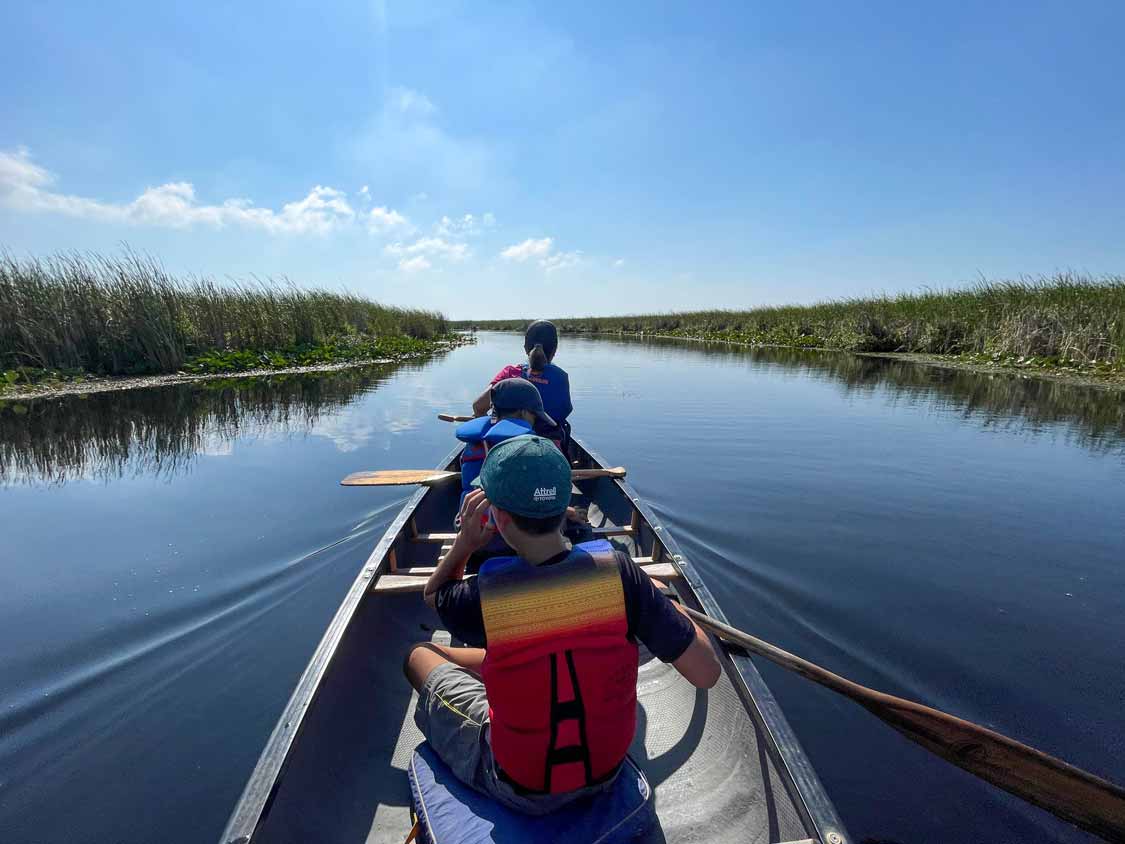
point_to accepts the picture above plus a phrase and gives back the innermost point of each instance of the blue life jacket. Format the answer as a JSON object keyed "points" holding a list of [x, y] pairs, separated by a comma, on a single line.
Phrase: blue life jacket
{"points": [[554, 388], [479, 435]]}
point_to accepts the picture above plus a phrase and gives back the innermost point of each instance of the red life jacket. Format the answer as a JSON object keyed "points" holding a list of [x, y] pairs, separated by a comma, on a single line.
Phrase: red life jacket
{"points": [[559, 671]]}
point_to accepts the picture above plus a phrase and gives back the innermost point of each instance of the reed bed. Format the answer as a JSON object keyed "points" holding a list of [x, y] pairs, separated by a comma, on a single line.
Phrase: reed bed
{"points": [[128, 315], [1065, 320]]}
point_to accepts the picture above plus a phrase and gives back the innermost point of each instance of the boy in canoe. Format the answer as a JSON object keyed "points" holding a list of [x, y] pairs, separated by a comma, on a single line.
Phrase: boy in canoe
{"points": [[540, 342], [516, 408], [541, 709]]}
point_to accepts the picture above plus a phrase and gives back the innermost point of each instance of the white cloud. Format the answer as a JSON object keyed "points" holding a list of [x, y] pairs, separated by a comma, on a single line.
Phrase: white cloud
{"points": [[467, 225], [620, 262], [530, 248], [25, 186], [431, 246], [543, 250], [409, 101], [415, 264], [560, 261], [381, 220]]}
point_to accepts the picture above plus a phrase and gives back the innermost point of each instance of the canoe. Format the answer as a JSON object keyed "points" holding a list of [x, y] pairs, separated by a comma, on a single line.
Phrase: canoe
{"points": [[724, 763]]}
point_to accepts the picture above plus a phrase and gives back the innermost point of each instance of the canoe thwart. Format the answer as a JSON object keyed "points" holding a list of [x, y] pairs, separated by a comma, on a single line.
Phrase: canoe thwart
{"points": [[614, 530], [415, 580]]}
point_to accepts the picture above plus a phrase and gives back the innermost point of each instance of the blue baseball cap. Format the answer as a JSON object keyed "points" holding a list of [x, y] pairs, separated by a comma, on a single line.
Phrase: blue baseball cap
{"points": [[518, 394], [528, 476]]}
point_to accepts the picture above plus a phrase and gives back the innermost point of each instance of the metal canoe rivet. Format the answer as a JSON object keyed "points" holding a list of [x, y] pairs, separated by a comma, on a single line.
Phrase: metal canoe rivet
{"points": [[835, 838]]}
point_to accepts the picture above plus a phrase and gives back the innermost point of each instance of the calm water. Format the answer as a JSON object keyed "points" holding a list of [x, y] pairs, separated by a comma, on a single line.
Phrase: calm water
{"points": [[169, 559]]}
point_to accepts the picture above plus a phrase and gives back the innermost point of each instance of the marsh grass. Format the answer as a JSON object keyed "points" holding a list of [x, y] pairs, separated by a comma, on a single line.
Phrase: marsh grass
{"points": [[1063, 320], [127, 315]]}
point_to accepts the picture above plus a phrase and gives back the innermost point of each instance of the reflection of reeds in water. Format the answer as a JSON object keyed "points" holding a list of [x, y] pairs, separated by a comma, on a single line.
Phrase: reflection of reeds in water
{"points": [[1094, 417], [160, 431]]}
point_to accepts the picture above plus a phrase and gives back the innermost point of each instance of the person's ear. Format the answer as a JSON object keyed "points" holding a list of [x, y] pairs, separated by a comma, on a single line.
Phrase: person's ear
{"points": [[503, 520]]}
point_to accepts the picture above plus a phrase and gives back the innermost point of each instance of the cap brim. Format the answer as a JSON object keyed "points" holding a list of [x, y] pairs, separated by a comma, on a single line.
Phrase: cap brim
{"points": [[542, 416]]}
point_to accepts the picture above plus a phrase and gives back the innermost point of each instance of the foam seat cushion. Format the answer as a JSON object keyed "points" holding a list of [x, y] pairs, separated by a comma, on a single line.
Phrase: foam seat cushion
{"points": [[453, 813]]}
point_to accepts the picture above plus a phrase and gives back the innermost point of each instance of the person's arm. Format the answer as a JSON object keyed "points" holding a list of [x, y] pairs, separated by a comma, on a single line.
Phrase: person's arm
{"points": [[699, 664], [665, 629], [474, 534], [482, 403]]}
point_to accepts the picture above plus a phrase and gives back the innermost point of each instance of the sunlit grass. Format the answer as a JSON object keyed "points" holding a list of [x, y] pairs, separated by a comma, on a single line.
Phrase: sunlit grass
{"points": [[128, 315], [1062, 319]]}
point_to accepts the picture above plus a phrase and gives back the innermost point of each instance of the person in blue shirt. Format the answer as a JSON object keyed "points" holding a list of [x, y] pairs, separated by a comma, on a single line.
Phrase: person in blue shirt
{"points": [[541, 341]]}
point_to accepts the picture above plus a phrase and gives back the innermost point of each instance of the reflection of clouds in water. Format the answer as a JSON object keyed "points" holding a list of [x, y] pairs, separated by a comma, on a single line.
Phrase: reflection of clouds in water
{"points": [[348, 431], [358, 428]]}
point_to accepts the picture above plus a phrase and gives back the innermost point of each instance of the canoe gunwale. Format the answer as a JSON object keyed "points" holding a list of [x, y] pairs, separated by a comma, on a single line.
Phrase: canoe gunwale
{"points": [[270, 768], [806, 790], [784, 746]]}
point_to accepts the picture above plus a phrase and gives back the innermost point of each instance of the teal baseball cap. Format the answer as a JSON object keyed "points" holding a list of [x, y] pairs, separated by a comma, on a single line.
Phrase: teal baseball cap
{"points": [[528, 476]]}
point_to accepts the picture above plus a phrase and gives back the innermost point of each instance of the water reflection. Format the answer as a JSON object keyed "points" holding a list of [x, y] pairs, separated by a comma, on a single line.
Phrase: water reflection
{"points": [[162, 430], [1091, 416]]}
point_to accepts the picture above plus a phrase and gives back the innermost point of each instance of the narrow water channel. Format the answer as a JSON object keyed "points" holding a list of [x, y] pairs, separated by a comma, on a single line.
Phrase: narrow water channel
{"points": [[169, 559]]}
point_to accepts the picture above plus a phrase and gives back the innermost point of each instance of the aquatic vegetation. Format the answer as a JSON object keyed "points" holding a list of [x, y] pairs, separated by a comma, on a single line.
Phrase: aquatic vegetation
{"points": [[1066, 321], [128, 316]]}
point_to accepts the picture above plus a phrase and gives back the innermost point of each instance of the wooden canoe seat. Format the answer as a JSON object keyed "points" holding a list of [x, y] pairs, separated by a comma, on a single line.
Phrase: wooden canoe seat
{"points": [[612, 530], [415, 582]]}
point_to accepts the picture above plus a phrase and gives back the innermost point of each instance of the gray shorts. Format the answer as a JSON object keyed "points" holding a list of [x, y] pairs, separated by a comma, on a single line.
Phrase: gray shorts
{"points": [[452, 714]]}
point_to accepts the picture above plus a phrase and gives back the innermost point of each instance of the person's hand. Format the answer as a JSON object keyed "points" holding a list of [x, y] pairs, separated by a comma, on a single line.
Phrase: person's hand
{"points": [[577, 515], [476, 528]]}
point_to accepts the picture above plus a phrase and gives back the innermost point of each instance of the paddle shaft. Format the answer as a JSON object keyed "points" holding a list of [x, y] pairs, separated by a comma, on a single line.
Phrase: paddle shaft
{"points": [[432, 477], [1072, 794]]}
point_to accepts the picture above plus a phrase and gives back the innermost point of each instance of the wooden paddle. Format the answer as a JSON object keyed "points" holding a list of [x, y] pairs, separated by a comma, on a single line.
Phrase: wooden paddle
{"points": [[1072, 794], [433, 477], [451, 417]]}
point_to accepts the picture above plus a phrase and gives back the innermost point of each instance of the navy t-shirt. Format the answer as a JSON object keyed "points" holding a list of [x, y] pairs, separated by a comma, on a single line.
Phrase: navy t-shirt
{"points": [[653, 619]]}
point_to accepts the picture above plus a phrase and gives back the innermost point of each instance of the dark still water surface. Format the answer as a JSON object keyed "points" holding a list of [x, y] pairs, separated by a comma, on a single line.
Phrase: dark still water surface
{"points": [[169, 559]]}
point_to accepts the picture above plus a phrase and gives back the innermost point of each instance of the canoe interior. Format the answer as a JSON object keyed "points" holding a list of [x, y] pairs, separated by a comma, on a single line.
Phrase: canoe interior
{"points": [[725, 767]]}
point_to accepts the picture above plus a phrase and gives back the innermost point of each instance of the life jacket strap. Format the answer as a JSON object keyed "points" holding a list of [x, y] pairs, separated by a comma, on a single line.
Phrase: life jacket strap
{"points": [[566, 710]]}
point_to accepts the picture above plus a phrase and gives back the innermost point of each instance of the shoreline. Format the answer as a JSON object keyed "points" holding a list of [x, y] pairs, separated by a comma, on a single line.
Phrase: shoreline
{"points": [[1108, 383], [118, 383]]}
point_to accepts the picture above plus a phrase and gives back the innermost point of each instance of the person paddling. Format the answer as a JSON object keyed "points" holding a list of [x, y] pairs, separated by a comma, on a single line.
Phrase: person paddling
{"points": [[540, 341], [540, 709]]}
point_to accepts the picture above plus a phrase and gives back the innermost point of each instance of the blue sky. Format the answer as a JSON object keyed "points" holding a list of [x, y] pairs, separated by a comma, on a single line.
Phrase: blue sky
{"points": [[504, 159]]}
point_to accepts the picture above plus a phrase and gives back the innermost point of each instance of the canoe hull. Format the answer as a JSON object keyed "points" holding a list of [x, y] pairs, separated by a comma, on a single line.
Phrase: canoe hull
{"points": [[334, 767]]}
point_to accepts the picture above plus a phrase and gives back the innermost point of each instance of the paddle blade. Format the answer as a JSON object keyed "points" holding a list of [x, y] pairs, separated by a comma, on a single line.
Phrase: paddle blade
{"points": [[452, 417], [399, 477]]}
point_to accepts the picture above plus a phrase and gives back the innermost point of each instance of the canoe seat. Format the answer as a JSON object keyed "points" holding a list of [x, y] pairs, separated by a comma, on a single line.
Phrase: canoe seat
{"points": [[451, 812]]}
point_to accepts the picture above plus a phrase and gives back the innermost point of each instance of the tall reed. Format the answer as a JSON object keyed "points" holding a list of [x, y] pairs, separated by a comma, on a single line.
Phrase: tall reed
{"points": [[1066, 317], [127, 314]]}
